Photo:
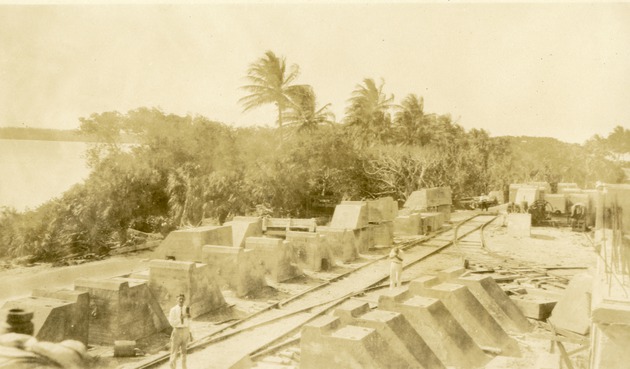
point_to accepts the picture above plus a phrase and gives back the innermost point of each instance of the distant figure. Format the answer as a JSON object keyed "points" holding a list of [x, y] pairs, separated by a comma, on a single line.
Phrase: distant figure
{"points": [[179, 317], [395, 270]]}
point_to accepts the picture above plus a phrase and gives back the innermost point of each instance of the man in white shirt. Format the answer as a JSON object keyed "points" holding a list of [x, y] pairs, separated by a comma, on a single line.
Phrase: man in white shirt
{"points": [[179, 317], [395, 269]]}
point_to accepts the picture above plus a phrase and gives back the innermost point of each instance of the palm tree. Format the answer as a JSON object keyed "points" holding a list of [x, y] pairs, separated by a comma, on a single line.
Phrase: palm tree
{"points": [[368, 110], [412, 123], [270, 83], [303, 111]]}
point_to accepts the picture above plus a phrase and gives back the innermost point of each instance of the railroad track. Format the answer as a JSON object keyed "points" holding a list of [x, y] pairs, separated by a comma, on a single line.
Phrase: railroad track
{"points": [[273, 325]]}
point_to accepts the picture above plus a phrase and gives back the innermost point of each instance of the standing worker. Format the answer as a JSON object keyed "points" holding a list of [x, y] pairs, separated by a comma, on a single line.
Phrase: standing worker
{"points": [[395, 270], [179, 317]]}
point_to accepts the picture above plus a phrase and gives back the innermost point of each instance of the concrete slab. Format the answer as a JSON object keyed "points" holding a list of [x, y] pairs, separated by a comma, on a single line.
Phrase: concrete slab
{"points": [[57, 315], [121, 310], [472, 316], [168, 278], [496, 302], [186, 244], [350, 216], [277, 257], [235, 268], [341, 242], [437, 327]]}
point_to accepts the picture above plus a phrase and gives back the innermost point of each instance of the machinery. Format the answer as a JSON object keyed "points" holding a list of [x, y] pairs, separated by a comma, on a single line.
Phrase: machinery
{"points": [[541, 211], [578, 217]]}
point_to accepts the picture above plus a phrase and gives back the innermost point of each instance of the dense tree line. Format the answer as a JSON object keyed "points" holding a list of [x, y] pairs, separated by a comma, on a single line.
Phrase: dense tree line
{"points": [[183, 169]]}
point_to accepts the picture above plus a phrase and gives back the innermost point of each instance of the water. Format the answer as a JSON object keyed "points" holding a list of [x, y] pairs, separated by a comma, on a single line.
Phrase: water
{"points": [[33, 172]]}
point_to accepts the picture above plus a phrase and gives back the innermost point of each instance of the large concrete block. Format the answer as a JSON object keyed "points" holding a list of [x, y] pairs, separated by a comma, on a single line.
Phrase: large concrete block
{"points": [[535, 307], [350, 215], [573, 310], [496, 302], [278, 258], [382, 234], [408, 225], [168, 278], [395, 329], [186, 244], [445, 210], [363, 239], [341, 242], [384, 209], [312, 251], [558, 202], [562, 186], [243, 227], [429, 197], [121, 310], [527, 194], [57, 315], [432, 221], [437, 327], [237, 269], [519, 225], [472, 316]]}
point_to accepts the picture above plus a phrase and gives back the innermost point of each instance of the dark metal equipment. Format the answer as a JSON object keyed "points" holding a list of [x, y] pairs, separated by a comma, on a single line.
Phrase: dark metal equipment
{"points": [[578, 217], [541, 211]]}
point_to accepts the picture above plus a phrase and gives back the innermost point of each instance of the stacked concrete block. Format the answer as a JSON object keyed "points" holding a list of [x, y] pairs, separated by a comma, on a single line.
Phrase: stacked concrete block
{"points": [[244, 227], [431, 222], [58, 314], [395, 329], [437, 327], [341, 242], [168, 279], [408, 225], [527, 195], [437, 199], [312, 252], [276, 256], [324, 345], [530, 192], [470, 314], [121, 309], [186, 244], [235, 268], [353, 216]]}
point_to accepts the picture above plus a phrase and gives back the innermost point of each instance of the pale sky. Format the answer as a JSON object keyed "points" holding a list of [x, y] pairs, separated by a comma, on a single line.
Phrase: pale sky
{"points": [[559, 70]]}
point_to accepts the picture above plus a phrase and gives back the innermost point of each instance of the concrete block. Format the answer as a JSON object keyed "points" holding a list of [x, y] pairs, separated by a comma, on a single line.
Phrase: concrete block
{"points": [[445, 210], [186, 244], [472, 316], [558, 202], [438, 328], [527, 194], [519, 224], [382, 234], [57, 315], [496, 302], [121, 310], [402, 337], [350, 216], [312, 252], [235, 268], [408, 225], [610, 345], [429, 197], [534, 307], [277, 257], [168, 278], [341, 242], [351, 309], [432, 221], [425, 281], [244, 227], [362, 239], [562, 186], [573, 310]]}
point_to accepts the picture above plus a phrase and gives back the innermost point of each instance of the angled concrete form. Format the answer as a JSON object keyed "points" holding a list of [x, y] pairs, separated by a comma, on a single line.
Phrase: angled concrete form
{"points": [[313, 253], [186, 244], [323, 346], [437, 327], [168, 278], [450, 273], [471, 315], [277, 257], [352, 215], [429, 197], [573, 310], [57, 315], [383, 209], [494, 299], [121, 309], [395, 329], [341, 242], [243, 227], [235, 268]]}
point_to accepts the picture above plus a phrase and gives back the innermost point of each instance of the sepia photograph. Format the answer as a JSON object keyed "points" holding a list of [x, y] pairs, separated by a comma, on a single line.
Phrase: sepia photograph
{"points": [[355, 184]]}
